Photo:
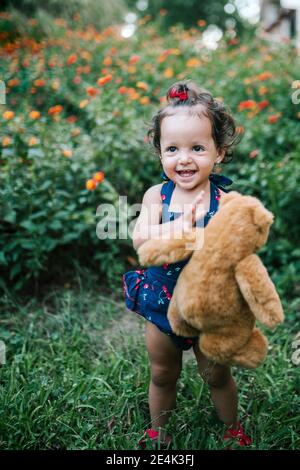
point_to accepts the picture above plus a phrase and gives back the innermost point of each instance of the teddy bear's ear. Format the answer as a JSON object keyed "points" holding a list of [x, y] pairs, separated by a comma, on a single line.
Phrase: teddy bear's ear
{"points": [[228, 197], [262, 217]]}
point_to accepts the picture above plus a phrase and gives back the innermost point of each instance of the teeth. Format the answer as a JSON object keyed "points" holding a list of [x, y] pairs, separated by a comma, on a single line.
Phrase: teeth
{"points": [[186, 173]]}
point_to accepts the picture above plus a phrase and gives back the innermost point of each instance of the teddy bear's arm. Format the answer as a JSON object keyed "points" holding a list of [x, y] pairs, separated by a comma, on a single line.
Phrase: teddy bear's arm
{"points": [[259, 291], [178, 247]]}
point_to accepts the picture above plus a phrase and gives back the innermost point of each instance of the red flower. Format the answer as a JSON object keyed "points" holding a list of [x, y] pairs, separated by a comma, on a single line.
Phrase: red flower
{"points": [[254, 153], [248, 104], [263, 104], [134, 59], [274, 118], [72, 59], [92, 91]]}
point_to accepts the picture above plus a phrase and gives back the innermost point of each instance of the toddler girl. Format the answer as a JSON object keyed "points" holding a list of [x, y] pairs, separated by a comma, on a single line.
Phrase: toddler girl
{"points": [[191, 134]]}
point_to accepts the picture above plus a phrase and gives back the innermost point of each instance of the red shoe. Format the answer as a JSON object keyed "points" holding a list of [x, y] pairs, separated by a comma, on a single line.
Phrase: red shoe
{"points": [[238, 435], [155, 440]]}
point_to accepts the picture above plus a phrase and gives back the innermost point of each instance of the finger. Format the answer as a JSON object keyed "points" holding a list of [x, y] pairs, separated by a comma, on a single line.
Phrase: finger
{"points": [[200, 214], [199, 197]]}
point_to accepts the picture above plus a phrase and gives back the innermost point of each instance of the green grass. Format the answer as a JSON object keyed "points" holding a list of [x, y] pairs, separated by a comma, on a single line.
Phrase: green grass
{"points": [[73, 381]]}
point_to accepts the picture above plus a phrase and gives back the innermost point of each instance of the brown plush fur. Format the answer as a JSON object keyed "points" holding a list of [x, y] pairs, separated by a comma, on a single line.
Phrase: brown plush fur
{"points": [[224, 288]]}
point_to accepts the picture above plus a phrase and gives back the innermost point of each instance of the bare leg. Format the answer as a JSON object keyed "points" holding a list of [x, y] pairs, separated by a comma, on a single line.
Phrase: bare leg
{"points": [[222, 388], [166, 362]]}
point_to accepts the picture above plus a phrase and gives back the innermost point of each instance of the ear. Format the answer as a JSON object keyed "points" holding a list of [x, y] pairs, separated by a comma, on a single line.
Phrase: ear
{"points": [[262, 217], [228, 197]]}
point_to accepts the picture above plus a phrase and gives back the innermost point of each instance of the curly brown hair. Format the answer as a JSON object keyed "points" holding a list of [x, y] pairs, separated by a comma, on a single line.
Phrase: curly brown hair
{"points": [[224, 132]]}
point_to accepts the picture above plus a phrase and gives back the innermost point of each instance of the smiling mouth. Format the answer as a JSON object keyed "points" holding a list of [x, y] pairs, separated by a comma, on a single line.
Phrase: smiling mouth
{"points": [[186, 173]]}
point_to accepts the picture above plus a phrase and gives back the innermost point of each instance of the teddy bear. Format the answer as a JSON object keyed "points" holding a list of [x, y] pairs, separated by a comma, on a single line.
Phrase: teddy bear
{"points": [[224, 286]]}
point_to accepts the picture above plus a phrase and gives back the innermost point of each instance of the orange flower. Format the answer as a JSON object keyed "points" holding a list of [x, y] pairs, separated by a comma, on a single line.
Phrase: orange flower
{"points": [[6, 140], [264, 76], [240, 130], [169, 72], [83, 104], [34, 114], [145, 100], [133, 95], [8, 114], [263, 104], [67, 153], [13, 82], [72, 59], [55, 109], [99, 176], [163, 12], [122, 90], [248, 104], [274, 118], [107, 61], [32, 141], [193, 62], [262, 90], [90, 185], [39, 82], [92, 91], [201, 23], [142, 85], [103, 80]]}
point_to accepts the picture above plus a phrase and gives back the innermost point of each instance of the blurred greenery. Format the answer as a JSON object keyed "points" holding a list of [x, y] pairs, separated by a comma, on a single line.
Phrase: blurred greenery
{"points": [[189, 12]]}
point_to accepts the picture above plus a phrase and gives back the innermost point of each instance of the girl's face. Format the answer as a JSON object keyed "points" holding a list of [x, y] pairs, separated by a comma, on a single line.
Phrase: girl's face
{"points": [[188, 151]]}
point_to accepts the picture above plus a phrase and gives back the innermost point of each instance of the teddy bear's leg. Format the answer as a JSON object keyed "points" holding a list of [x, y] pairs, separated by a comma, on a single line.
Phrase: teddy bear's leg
{"points": [[178, 324], [253, 353], [224, 348], [220, 345]]}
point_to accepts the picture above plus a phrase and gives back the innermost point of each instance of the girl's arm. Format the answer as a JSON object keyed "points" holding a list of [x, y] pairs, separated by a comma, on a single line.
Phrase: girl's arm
{"points": [[148, 227]]}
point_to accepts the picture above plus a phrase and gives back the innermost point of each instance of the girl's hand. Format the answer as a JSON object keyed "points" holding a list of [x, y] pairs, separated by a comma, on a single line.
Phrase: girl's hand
{"points": [[194, 212]]}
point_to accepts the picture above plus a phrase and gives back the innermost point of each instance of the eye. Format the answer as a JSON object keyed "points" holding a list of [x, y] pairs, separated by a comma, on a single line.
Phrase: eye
{"points": [[171, 149], [198, 148]]}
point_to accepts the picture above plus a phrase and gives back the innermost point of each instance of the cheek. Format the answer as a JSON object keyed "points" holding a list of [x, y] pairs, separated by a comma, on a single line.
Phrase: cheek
{"points": [[168, 162]]}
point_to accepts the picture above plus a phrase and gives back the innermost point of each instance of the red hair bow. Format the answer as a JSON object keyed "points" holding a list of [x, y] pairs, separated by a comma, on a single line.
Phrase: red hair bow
{"points": [[182, 95]]}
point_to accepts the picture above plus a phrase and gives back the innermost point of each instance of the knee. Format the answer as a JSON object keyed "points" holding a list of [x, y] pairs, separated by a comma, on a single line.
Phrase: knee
{"points": [[217, 377], [164, 377]]}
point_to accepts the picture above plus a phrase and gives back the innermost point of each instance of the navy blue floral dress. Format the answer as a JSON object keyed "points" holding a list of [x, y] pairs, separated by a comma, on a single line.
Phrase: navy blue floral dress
{"points": [[148, 291]]}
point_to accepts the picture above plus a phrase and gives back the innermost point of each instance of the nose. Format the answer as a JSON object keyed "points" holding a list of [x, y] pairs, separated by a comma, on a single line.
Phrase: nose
{"points": [[184, 156]]}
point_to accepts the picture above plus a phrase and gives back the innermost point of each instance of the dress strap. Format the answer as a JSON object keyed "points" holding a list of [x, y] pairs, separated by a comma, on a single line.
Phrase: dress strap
{"points": [[166, 194], [220, 181]]}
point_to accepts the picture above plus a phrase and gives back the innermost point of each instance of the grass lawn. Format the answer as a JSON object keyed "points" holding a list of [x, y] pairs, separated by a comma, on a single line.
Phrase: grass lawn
{"points": [[76, 377]]}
